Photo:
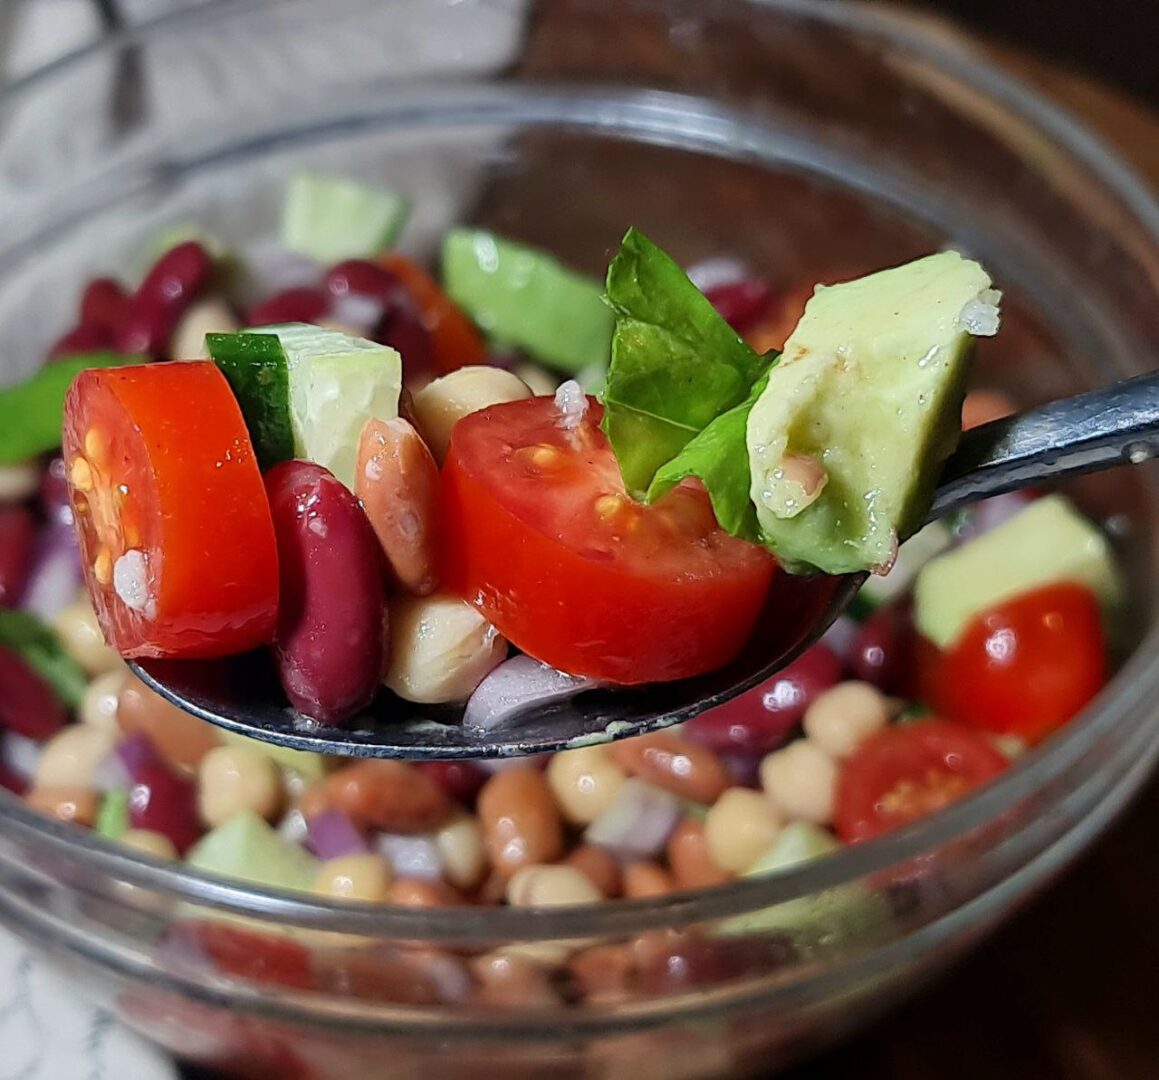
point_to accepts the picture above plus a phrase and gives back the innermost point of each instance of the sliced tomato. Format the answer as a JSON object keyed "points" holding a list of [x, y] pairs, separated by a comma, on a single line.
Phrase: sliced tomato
{"points": [[174, 527], [455, 341], [1025, 668], [543, 537], [906, 772]]}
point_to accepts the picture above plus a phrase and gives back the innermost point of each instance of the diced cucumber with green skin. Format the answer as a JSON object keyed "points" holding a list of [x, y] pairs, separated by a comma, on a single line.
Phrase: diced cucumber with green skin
{"points": [[32, 411], [247, 847], [256, 368], [918, 550], [335, 383], [869, 388], [330, 219], [525, 297], [113, 816], [849, 913], [1047, 542]]}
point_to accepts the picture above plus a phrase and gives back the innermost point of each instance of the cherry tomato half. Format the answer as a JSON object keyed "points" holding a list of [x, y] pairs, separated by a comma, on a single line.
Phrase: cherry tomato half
{"points": [[905, 772], [455, 341], [1025, 668], [543, 537], [175, 531]]}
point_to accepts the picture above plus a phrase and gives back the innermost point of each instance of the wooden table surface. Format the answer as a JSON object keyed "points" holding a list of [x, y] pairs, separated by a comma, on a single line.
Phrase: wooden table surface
{"points": [[1068, 990]]}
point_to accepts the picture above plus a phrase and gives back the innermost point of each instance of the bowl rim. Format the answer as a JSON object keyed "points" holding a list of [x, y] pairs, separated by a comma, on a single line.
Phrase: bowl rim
{"points": [[956, 55]]}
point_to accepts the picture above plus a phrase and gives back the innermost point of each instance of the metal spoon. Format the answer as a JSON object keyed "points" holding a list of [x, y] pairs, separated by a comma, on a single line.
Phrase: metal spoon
{"points": [[1111, 426]]}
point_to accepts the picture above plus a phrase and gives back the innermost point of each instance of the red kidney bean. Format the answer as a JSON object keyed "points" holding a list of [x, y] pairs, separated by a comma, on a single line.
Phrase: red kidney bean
{"points": [[164, 802], [402, 329], [103, 303], [303, 303], [365, 278], [741, 303], [762, 718], [685, 963], [330, 643], [53, 494], [879, 649], [88, 337], [17, 546], [459, 779], [28, 705], [169, 287]]}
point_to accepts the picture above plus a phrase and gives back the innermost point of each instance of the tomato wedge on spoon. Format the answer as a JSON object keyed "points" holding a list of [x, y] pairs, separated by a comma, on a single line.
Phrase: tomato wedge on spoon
{"points": [[542, 536], [174, 527]]}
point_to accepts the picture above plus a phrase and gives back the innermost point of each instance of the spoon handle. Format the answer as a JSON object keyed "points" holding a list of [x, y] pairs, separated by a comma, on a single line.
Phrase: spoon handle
{"points": [[1111, 426]]}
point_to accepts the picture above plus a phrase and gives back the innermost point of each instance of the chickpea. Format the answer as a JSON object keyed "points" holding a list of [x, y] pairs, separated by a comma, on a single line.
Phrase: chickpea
{"points": [[365, 878], [18, 482], [584, 782], [81, 636], [551, 886], [646, 879], [673, 763], [71, 756], [148, 842], [76, 805], [463, 851], [801, 781], [540, 381], [440, 648], [210, 316], [98, 707], [741, 825], [236, 779], [520, 821], [841, 718], [690, 858], [441, 404]]}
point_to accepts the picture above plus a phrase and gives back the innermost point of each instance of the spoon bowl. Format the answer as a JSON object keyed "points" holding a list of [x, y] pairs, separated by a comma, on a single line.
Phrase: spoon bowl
{"points": [[1115, 425]]}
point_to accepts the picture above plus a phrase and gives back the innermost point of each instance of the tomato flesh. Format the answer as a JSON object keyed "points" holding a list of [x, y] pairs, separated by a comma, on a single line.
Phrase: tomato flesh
{"points": [[543, 537], [175, 532], [906, 772], [1024, 668]]}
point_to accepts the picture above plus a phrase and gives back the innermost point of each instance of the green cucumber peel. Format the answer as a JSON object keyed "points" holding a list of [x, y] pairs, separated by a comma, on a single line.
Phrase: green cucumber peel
{"points": [[32, 411], [257, 371], [41, 649], [676, 365]]}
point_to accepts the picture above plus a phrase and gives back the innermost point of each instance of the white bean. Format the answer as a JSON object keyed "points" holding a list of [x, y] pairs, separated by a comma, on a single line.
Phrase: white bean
{"points": [[82, 638], [440, 648], [441, 404], [361, 877], [232, 780], [841, 718], [740, 826], [801, 781], [209, 316], [18, 482], [540, 381], [551, 886], [98, 707], [463, 851], [149, 842], [584, 782], [71, 756]]}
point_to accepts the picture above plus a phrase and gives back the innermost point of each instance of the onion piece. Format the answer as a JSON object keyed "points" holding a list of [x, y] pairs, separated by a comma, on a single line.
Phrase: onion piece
{"points": [[357, 311], [135, 754], [20, 755], [840, 636], [56, 573], [713, 272], [990, 513], [331, 834], [111, 774], [638, 821], [411, 856], [515, 685]]}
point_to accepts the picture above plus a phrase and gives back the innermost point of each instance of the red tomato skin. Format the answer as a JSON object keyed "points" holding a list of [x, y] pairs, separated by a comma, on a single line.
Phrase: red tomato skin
{"points": [[1023, 669], [576, 611], [175, 438], [908, 752]]}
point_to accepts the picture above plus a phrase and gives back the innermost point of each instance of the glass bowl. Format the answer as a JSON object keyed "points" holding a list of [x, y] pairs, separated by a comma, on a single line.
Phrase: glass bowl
{"points": [[813, 141]]}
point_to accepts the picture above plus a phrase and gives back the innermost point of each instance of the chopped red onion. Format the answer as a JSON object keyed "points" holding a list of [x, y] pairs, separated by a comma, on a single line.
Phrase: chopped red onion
{"points": [[111, 774], [448, 974], [513, 686], [358, 312], [136, 753], [411, 856], [572, 403], [840, 636], [20, 755], [272, 269], [331, 834], [56, 573], [714, 272], [637, 823]]}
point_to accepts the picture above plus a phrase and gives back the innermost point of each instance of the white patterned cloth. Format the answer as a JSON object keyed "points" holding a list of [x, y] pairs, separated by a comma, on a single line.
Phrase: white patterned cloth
{"points": [[48, 1033]]}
